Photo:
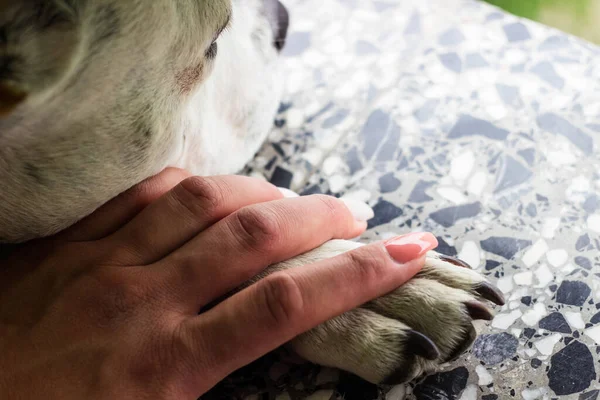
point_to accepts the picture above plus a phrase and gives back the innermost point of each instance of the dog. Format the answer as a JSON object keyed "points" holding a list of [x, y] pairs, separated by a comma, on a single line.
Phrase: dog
{"points": [[98, 95]]}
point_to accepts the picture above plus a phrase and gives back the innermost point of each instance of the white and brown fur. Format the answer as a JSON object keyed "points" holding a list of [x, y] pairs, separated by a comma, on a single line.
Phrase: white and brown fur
{"points": [[97, 95]]}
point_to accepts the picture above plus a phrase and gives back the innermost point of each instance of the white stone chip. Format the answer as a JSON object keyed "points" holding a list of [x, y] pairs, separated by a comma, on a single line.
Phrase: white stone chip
{"points": [[574, 319], [536, 252], [337, 183], [333, 164], [532, 394], [567, 269], [514, 305], [313, 156], [470, 393], [546, 345], [561, 156], [593, 222], [504, 321], [470, 254], [593, 333], [523, 278], [533, 316], [462, 165], [557, 257], [505, 284], [294, 118], [453, 195], [477, 183], [531, 352], [359, 195], [543, 275], [397, 393], [485, 378], [550, 227]]}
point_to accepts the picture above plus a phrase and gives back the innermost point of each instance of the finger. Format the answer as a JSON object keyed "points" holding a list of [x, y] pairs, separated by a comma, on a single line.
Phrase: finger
{"points": [[245, 242], [117, 212], [288, 303], [185, 211]]}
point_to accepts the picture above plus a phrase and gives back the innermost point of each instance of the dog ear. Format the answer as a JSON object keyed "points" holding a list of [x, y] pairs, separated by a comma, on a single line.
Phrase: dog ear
{"points": [[10, 98], [12, 91], [38, 43]]}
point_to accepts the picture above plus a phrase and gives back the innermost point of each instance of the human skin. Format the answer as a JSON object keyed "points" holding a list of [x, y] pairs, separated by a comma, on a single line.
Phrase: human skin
{"points": [[109, 308]]}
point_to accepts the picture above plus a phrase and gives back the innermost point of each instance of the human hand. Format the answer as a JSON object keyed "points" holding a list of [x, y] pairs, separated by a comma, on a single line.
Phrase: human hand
{"points": [[109, 308]]}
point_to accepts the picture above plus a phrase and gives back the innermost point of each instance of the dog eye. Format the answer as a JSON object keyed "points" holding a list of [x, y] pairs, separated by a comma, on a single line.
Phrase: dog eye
{"points": [[211, 53]]}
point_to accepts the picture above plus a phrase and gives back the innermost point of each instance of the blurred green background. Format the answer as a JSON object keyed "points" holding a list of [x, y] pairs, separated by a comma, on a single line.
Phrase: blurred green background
{"points": [[578, 17]]}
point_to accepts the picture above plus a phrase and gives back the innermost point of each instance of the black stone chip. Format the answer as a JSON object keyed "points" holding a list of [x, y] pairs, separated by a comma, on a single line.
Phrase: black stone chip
{"points": [[572, 369], [582, 242], [573, 293], [447, 217], [506, 247], [445, 385], [282, 178], [384, 213], [591, 395], [388, 183], [555, 322], [528, 332]]}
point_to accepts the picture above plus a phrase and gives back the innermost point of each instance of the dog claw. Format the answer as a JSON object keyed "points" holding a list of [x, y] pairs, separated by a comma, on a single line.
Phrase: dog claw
{"points": [[491, 293], [478, 311], [484, 289], [464, 345], [455, 261], [417, 344], [422, 346]]}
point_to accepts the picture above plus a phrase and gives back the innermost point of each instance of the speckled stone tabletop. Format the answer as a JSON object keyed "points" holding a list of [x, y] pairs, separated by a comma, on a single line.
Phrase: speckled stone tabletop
{"points": [[453, 117]]}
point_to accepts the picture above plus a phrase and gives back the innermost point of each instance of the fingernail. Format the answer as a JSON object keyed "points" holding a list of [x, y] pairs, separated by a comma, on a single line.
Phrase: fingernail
{"points": [[287, 193], [360, 210], [410, 247]]}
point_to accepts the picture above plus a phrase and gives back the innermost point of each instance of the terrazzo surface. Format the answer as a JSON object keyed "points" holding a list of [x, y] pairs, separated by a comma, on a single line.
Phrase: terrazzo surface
{"points": [[453, 117]]}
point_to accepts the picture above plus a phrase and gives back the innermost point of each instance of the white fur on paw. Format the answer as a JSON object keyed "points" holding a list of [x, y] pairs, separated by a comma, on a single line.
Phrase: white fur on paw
{"points": [[406, 333]]}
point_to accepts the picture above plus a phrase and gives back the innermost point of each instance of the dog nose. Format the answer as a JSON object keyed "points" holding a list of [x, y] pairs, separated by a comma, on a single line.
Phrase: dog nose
{"points": [[279, 18]]}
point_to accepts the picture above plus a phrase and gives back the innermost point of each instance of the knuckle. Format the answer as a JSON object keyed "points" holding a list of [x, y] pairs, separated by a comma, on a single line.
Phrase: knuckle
{"points": [[158, 360], [114, 294], [261, 228], [331, 205], [283, 299], [200, 196], [140, 195], [369, 262], [185, 346], [121, 254]]}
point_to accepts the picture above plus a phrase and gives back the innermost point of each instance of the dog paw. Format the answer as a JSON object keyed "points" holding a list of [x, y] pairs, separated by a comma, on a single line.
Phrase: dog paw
{"points": [[408, 332]]}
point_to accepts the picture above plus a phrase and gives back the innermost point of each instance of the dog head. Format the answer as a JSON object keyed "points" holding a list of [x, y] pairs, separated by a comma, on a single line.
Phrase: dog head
{"points": [[97, 95]]}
